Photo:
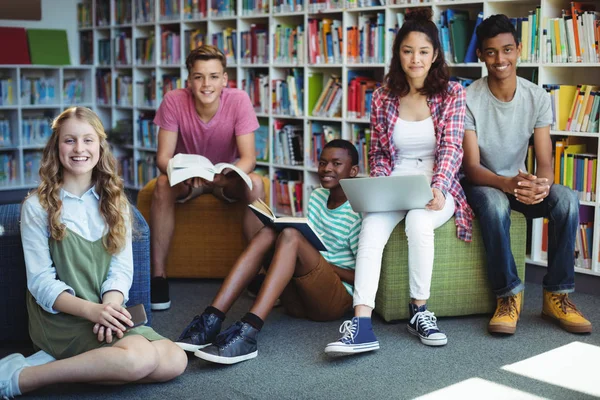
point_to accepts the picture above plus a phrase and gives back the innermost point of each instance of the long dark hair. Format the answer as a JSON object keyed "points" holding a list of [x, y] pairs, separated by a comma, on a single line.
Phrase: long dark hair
{"points": [[436, 82]]}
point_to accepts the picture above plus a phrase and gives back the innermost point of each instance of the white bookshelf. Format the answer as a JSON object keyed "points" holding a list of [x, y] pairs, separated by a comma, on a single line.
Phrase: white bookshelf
{"points": [[587, 73], [23, 144]]}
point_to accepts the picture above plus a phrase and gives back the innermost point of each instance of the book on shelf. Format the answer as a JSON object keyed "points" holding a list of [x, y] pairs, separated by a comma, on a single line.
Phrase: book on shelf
{"points": [[186, 166], [302, 224]]}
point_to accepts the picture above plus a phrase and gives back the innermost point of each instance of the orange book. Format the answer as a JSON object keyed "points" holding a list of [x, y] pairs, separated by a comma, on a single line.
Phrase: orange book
{"points": [[577, 8], [576, 105]]}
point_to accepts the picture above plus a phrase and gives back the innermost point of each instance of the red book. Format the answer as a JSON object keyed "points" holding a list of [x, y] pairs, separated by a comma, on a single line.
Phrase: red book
{"points": [[13, 46]]}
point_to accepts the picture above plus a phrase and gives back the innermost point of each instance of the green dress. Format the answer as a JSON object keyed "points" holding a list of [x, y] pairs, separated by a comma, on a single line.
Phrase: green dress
{"points": [[83, 265]]}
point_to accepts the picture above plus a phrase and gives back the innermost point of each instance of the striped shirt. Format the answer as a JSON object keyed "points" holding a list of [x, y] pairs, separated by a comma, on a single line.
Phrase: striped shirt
{"points": [[339, 229], [448, 114]]}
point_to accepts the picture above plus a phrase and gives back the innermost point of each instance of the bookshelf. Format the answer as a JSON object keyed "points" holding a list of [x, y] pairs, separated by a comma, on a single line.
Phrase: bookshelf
{"points": [[32, 95], [139, 47]]}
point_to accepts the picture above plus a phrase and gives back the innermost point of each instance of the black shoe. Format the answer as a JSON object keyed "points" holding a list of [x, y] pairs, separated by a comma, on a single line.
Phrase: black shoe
{"points": [[236, 344], [201, 332], [159, 294]]}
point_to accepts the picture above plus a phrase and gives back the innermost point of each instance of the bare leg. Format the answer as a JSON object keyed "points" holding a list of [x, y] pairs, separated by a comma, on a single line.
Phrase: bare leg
{"points": [[131, 359], [162, 222], [294, 256], [245, 269], [363, 311]]}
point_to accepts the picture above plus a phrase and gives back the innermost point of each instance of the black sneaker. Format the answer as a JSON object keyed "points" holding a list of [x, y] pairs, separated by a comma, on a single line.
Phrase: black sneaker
{"points": [[159, 294], [237, 343], [423, 324], [201, 332]]}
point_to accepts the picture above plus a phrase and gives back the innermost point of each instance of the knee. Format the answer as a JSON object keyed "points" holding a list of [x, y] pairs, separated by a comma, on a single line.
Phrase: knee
{"points": [[418, 222], [489, 203], [258, 188], [289, 236], [177, 362], [565, 201], [139, 360], [162, 190], [266, 233]]}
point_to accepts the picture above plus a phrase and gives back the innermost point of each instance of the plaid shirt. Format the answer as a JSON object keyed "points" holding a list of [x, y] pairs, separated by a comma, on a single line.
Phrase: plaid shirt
{"points": [[448, 116]]}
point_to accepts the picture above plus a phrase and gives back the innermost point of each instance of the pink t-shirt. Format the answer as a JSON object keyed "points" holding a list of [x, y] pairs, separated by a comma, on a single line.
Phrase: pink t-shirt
{"points": [[214, 140]]}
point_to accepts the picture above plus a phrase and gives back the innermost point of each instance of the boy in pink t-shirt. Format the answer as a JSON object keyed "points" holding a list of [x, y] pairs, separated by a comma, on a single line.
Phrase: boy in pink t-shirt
{"points": [[208, 119]]}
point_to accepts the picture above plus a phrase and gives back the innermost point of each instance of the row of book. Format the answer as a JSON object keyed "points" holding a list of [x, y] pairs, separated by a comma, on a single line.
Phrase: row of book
{"points": [[73, 91], [583, 240], [288, 144], [256, 84], [122, 10], [321, 134], [103, 87], [8, 169], [288, 6], [124, 90], [576, 108], [86, 48], [31, 166], [39, 91], [7, 90], [573, 37], [6, 139], [288, 44], [324, 41], [145, 92], [366, 42], [329, 102], [288, 195], [147, 131], [575, 167], [145, 169], [84, 15], [144, 51], [288, 94], [360, 94], [254, 45], [35, 130], [361, 137], [255, 7]]}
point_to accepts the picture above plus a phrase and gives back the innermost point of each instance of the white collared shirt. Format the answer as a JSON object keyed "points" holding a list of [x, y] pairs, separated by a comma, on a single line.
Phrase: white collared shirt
{"points": [[82, 216]]}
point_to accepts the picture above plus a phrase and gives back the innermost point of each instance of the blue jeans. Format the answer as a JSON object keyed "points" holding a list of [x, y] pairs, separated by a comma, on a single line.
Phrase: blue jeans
{"points": [[492, 208]]}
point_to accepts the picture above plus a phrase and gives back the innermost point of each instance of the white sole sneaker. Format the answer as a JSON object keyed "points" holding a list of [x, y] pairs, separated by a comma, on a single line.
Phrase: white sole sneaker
{"points": [[160, 306], [342, 348], [225, 360], [191, 347], [431, 341]]}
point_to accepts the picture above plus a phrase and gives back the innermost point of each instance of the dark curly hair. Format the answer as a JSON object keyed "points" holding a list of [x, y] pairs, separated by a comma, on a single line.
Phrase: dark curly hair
{"points": [[494, 26], [418, 20]]}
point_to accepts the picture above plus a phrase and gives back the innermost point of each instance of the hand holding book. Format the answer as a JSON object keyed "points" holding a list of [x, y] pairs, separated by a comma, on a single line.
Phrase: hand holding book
{"points": [[185, 166]]}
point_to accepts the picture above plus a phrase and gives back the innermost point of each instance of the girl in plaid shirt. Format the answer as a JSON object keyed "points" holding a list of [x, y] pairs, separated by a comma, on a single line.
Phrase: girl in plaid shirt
{"points": [[417, 122]]}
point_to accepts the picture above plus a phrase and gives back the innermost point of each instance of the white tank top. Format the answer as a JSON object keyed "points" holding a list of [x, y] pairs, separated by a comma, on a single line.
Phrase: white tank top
{"points": [[415, 143]]}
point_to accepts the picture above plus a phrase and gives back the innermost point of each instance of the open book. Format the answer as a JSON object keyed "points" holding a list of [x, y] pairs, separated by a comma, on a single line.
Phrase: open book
{"points": [[267, 217], [185, 166]]}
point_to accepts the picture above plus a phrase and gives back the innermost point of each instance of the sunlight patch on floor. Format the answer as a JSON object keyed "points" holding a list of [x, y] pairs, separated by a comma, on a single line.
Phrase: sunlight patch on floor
{"points": [[477, 389], [574, 366]]}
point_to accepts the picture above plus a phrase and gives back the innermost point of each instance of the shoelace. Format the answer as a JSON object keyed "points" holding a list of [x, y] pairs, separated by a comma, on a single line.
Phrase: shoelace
{"points": [[192, 327], [426, 320], [508, 306], [347, 329], [562, 299], [224, 337]]}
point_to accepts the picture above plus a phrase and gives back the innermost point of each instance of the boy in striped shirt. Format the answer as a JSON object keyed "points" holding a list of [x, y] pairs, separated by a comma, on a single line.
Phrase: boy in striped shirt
{"points": [[311, 284]]}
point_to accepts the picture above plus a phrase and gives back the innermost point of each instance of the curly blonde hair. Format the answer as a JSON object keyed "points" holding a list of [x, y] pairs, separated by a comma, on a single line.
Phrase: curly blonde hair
{"points": [[109, 186]]}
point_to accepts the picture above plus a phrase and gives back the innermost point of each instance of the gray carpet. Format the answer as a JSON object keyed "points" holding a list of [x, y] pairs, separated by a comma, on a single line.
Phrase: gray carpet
{"points": [[291, 363]]}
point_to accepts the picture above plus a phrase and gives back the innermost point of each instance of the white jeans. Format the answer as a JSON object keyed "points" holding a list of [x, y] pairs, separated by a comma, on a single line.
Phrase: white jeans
{"points": [[375, 232]]}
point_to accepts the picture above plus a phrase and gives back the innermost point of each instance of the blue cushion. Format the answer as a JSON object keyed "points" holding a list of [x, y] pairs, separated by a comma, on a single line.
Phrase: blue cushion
{"points": [[13, 283]]}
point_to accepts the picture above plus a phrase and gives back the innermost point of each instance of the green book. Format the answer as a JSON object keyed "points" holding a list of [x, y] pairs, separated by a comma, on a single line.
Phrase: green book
{"points": [[48, 46], [459, 33], [315, 87]]}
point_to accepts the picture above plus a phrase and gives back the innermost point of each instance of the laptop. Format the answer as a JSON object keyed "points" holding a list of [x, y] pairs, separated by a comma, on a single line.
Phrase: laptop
{"points": [[387, 193]]}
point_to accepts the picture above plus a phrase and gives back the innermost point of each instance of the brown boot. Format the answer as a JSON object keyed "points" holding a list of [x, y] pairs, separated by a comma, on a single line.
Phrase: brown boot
{"points": [[560, 310], [507, 314]]}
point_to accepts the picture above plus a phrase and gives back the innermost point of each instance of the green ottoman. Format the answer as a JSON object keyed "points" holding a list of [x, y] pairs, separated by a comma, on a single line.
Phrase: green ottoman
{"points": [[459, 284]]}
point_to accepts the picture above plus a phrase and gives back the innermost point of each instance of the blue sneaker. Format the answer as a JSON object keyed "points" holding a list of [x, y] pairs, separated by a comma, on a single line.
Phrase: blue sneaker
{"points": [[423, 324], [358, 337], [237, 343], [201, 332], [9, 366]]}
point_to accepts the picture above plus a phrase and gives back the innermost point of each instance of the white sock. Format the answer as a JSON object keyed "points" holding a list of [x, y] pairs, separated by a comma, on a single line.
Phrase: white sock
{"points": [[39, 358]]}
